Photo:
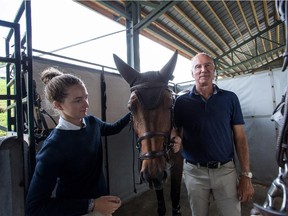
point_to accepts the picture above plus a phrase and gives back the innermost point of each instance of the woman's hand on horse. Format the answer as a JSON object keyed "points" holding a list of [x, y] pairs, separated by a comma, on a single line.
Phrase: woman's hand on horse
{"points": [[107, 205], [176, 142]]}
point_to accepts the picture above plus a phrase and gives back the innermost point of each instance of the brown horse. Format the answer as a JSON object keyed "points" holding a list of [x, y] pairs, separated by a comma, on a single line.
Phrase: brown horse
{"points": [[151, 104]]}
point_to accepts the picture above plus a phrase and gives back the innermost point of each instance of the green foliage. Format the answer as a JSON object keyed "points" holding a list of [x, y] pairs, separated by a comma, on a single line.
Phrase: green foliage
{"points": [[3, 105]]}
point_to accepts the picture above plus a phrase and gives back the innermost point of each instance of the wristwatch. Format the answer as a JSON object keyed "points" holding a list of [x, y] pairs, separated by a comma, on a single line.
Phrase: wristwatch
{"points": [[247, 174]]}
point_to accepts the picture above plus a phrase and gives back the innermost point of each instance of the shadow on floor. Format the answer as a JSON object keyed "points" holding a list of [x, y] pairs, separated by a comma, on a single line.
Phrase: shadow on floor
{"points": [[146, 204]]}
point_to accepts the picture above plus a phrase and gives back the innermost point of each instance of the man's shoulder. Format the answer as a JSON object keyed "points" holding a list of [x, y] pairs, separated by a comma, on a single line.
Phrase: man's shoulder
{"points": [[223, 90], [182, 97], [183, 93], [228, 92]]}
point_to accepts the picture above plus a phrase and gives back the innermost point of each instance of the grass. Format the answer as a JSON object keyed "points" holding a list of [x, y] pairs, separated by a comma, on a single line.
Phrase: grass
{"points": [[3, 105]]}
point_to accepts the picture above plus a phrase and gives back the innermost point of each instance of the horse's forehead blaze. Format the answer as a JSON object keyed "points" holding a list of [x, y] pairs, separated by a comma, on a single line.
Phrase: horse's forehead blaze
{"points": [[132, 101]]}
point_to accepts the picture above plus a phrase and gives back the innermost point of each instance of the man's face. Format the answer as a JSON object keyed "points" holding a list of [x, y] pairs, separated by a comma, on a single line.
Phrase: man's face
{"points": [[203, 70]]}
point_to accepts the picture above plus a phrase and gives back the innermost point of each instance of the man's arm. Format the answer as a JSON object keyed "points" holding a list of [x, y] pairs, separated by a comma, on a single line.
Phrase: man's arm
{"points": [[245, 188], [241, 146], [176, 139]]}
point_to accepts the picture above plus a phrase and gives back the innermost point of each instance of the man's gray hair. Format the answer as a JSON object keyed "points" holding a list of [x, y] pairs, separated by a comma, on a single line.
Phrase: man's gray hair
{"points": [[194, 57]]}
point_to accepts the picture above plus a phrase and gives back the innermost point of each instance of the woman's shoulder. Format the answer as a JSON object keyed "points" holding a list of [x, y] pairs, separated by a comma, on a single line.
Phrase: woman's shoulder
{"points": [[92, 119], [50, 147], [93, 123]]}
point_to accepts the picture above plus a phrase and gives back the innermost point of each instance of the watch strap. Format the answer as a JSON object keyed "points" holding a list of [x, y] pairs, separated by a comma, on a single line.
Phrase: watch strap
{"points": [[247, 174], [91, 205]]}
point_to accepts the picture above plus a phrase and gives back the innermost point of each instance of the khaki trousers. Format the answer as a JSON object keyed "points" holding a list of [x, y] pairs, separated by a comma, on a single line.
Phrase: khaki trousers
{"points": [[221, 183]]}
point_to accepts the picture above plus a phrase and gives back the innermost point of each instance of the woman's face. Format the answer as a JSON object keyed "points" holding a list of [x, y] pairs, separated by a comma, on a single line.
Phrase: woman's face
{"points": [[75, 105]]}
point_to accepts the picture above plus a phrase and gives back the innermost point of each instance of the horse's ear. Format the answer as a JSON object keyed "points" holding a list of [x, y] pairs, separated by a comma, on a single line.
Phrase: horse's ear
{"points": [[127, 72], [168, 69]]}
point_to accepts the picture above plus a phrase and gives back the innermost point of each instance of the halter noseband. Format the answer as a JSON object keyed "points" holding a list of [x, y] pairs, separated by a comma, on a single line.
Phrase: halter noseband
{"points": [[154, 154]]}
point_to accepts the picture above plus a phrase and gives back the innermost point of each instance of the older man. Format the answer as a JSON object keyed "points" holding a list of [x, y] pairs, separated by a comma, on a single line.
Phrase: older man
{"points": [[211, 122]]}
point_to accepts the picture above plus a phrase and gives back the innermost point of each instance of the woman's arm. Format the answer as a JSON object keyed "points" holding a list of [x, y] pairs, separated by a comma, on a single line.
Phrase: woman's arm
{"points": [[116, 127], [39, 200]]}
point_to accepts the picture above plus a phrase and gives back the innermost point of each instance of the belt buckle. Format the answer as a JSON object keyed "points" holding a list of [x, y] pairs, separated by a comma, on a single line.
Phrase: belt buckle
{"points": [[213, 164]]}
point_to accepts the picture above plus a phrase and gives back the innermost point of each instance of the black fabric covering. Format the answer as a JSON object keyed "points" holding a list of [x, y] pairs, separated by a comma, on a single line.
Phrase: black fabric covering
{"points": [[150, 98], [149, 89]]}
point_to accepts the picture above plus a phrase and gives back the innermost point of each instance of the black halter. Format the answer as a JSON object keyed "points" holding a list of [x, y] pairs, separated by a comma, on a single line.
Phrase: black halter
{"points": [[154, 154], [141, 93]]}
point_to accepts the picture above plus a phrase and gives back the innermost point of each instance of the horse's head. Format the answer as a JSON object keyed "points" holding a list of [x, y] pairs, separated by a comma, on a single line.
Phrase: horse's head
{"points": [[151, 104]]}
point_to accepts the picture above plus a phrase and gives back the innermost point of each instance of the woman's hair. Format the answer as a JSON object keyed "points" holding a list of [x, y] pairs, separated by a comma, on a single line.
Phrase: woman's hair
{"points": [[57, 83]]}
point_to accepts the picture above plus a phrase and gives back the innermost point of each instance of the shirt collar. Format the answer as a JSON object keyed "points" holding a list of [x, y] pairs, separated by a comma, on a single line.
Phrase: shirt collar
{"points": [[65, 125], [216, 89]]}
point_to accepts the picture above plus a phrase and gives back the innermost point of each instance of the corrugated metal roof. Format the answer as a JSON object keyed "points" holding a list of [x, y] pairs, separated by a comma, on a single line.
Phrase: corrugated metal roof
{"points": [[242, 36]]}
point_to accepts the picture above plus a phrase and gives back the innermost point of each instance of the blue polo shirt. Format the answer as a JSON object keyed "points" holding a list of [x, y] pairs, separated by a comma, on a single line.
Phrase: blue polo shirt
{"points": [[207, 124]]}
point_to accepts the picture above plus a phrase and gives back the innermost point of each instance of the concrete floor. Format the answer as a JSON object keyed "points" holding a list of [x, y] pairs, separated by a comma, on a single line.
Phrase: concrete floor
{"points": [[146, 205]]}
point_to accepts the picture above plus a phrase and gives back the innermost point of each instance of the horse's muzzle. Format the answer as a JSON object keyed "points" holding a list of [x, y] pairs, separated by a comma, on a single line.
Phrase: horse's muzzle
{"points": [[155, 183]]}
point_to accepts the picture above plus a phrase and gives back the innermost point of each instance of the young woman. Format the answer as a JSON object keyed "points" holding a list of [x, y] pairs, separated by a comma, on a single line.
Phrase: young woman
{"points": [[71, 157]]}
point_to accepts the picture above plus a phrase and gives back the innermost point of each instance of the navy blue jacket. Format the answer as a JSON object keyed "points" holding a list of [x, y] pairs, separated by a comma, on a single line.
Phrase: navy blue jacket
{"points": [[72, 160]]}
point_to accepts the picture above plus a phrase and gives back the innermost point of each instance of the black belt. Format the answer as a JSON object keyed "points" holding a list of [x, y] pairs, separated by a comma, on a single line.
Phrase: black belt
{"points": [[210, 164]]}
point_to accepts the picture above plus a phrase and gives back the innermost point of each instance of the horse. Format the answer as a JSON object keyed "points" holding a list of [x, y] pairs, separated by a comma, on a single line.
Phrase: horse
{"points": [[151, 106]]}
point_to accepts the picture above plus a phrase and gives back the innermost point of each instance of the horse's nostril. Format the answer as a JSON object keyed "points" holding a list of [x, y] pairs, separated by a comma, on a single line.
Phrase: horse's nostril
{"points": [[158, 185], [162, 176]]}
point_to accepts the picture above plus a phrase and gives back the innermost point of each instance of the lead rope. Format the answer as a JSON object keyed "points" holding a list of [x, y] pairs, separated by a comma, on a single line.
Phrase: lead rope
{"points": [[133, 156]]}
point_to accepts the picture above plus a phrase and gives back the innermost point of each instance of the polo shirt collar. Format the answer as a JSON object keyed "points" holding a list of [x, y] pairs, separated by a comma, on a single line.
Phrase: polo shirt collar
{"points": [[216, 89]]}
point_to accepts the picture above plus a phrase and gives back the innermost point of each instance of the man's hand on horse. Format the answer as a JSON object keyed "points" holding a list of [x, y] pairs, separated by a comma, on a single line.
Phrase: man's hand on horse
{"points": [[176, 142]]}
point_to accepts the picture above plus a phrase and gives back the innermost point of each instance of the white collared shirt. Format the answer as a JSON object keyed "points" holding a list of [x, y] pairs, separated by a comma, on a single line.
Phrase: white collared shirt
{"points": [[65, 125]]}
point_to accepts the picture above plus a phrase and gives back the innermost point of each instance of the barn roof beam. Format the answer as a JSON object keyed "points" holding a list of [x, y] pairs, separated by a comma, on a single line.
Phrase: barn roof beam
{"points": [[272, 52]]}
